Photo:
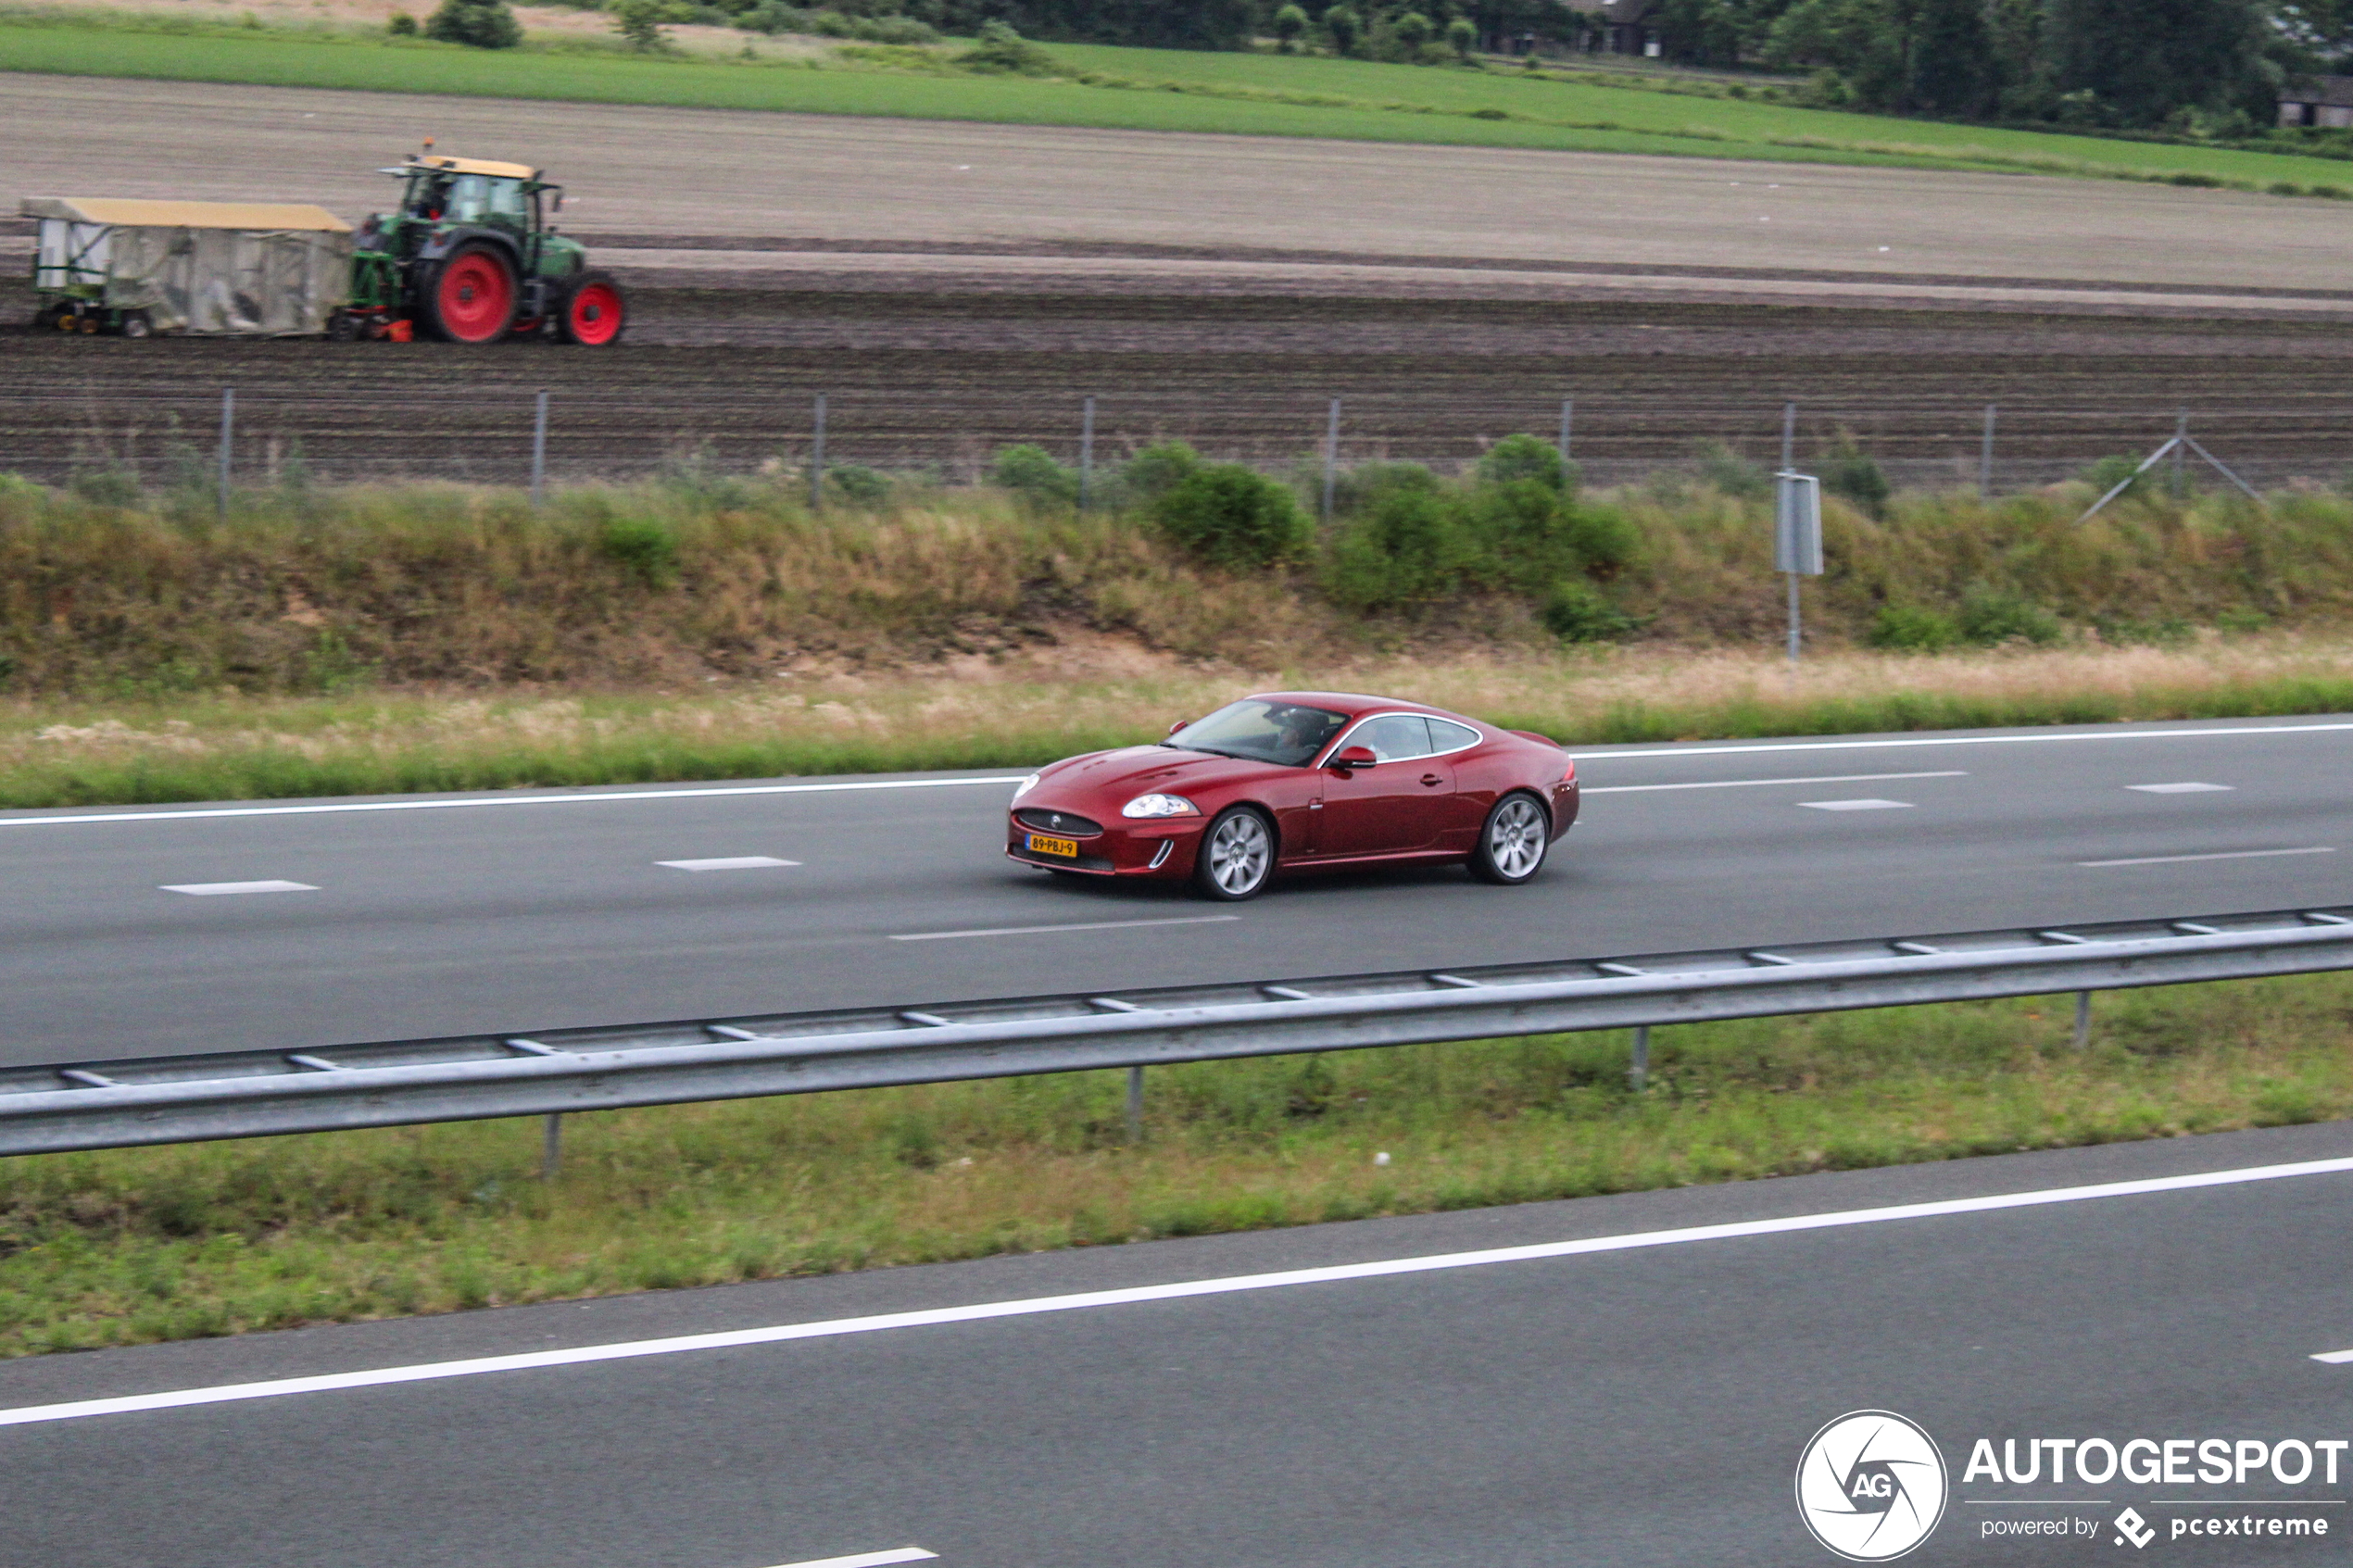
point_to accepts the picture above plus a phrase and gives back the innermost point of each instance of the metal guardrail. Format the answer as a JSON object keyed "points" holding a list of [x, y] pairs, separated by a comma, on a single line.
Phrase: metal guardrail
{"points": [[102, 1105]]}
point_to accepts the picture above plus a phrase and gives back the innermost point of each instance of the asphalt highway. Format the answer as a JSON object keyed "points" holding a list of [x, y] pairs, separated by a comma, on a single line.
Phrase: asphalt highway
{"points": [[418, 917], [1616, 1408]]}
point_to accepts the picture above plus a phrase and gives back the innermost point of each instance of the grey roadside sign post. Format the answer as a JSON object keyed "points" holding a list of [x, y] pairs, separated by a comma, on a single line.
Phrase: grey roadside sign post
{"points": [[1797, 537]]}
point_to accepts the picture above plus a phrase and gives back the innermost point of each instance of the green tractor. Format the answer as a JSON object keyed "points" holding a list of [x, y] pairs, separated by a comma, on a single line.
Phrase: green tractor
{"points": [[470, 257]]}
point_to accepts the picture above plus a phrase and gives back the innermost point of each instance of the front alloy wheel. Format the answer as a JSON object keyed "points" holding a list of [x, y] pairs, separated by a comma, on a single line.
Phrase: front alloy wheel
{"points": [[1236, 855], [1512, 845]]}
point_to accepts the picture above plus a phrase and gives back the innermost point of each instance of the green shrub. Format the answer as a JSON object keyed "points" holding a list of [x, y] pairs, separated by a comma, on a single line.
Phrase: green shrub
{"points": [[1357, 489], [1461, 36], [1604, 539], [2237, 619], [1525, 457], [1576, 612], [484, 24], [641, 21], [1849, 472], [1032, 474], [1408, 546], [402, 25], [1155, 470], [1227, 515], [642, 547], [1002, 49], [1914, 629], [859, 486], [1344, 27], [2109, 472], [106, 487], [1726, 471], [1993, 615], [1290, 25]]}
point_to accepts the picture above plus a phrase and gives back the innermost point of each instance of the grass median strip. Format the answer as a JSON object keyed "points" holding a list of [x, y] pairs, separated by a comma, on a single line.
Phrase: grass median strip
{"points": [[136, 1245]]}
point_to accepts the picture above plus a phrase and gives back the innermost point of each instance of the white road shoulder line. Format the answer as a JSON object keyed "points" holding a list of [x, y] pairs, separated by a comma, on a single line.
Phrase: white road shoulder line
{"points": [[217, 889], [2181, 788], [1671, 749], [532, 1360], [869, 1559], [728, 863], [2225, 855], [1037, 930], [1864, 805], [1761, 784], [439, 803]]}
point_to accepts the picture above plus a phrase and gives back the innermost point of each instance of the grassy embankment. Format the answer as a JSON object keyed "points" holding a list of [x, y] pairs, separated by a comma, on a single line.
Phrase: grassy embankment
{"points": [[1132, 89], [173, 1243], [335, 642]]}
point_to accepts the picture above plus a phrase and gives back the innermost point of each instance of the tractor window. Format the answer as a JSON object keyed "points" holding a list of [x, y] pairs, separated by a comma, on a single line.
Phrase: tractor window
{"points": [[479, 198]]}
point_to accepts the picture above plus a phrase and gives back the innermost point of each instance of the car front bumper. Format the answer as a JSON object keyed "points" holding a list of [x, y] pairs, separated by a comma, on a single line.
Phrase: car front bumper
{"points": [[1161, 847]]}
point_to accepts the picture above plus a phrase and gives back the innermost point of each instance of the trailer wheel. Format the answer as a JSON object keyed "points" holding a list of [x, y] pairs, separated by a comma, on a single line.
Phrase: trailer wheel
{"points": [[135, 324], [471, 297], [593, 312], [55, 317]]}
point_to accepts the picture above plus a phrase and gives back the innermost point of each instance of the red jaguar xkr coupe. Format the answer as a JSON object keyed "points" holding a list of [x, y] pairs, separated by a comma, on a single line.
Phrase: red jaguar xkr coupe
{"points": [[1301, 781]]}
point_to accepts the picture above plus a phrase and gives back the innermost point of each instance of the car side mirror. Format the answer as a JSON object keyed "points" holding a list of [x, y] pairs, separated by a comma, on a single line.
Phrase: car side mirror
{"points": [[1179, 725], [1353, 758]]}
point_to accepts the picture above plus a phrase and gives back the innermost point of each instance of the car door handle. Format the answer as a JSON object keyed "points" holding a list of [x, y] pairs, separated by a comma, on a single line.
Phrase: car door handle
{"points": [[1432, 779]]}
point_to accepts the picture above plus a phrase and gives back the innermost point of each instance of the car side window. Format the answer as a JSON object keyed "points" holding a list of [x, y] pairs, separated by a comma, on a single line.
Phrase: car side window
{"points": [[1394, 737], [1446, 736]]}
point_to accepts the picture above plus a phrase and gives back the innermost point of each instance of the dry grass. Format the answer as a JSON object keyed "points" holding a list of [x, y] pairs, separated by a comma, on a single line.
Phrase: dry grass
{"points": [[182, 1242]]}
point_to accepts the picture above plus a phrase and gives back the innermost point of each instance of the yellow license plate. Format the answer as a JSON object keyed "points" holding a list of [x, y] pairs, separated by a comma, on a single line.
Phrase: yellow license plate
{"points": [[1040, 844]]}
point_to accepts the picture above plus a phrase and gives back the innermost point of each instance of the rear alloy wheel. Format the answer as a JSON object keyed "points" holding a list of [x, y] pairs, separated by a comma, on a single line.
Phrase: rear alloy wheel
{"points": [[593, 312], [471, 297], [1236, 855], [1513, 842]]}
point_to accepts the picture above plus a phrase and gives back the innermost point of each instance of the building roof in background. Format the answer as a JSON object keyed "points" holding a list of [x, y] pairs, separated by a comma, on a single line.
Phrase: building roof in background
{"points": [[2334, 91]]}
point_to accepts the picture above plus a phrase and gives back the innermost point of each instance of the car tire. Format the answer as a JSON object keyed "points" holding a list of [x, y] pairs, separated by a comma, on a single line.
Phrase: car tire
{"points": [[1236, 860], [1513, 841]]}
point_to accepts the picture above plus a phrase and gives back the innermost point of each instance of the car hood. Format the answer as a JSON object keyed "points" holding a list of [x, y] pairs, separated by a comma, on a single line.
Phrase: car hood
{"points": [[1136, 769]]}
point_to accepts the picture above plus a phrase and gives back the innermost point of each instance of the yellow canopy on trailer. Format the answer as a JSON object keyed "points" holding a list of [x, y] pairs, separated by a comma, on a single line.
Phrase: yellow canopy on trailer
{"points": [[130, 213]]}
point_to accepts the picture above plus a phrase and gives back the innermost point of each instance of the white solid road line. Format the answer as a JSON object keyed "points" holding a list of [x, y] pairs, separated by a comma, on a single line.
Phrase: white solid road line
{"points": [[1760, 784], [1036, 930], [728, 863], [1866, 805], [217, 889], [1671, 749], [2180, 788], [438, 804], [2225, 855], [869, 1559], [533, 1361]]}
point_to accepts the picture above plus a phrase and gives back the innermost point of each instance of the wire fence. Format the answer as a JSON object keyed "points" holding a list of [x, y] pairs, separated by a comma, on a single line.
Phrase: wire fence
{"points": [[187, 434]]}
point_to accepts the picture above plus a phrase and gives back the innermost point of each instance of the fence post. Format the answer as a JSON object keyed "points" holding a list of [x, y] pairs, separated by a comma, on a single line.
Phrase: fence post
{"points": [[2083, 1019], [2181, 454], [1638, 1071], [1331, 458], [817, 461], [1086, 454], [539, 454], [551, 1145], [1569, 409], [1135, 1105], [228, 427], [1985, 459]]}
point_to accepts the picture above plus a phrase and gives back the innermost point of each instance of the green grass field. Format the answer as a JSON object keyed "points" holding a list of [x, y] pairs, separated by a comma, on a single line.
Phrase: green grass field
{"points": [[1142, 89]]}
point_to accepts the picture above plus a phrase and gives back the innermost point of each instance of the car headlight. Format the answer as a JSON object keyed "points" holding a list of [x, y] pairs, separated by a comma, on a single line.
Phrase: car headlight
{"points": [[1024, 787], [1160, 806]]}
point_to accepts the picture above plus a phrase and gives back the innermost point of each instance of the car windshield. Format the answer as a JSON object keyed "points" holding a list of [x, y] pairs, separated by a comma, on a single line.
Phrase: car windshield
{"points": [[1262, 730]]}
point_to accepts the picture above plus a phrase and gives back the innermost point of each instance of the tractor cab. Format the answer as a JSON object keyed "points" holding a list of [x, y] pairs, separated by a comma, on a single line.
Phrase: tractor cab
{"points": [[468, 255]]}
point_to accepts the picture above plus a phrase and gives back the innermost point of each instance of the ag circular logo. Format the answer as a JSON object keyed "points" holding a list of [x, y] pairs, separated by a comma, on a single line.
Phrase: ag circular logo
{"points": [[1870, 1485]]}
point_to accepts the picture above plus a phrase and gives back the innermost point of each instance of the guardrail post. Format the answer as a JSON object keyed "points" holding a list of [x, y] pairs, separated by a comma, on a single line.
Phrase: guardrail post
{"points": [[1135, 1105], [1638, 1073], [2083, 1019], [551, 1145], [1086, 454], [539, 454], [228, 429]]}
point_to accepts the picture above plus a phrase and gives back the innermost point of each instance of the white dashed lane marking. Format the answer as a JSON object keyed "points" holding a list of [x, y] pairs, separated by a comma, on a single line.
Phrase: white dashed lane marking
{"points": [[1856, 805], [218, 889], [2224, 855], [870, 1559], [728, 863], [1040, 930], [1762, 784], [2181, 788]]}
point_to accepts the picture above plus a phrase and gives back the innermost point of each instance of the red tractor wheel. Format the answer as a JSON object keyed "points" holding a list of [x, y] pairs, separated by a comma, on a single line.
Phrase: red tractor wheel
{"points": [[593, 312], [471, 297]]}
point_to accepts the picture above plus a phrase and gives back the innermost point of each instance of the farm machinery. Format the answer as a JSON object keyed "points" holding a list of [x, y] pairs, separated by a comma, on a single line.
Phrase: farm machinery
{"points": [[468, 255]]}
